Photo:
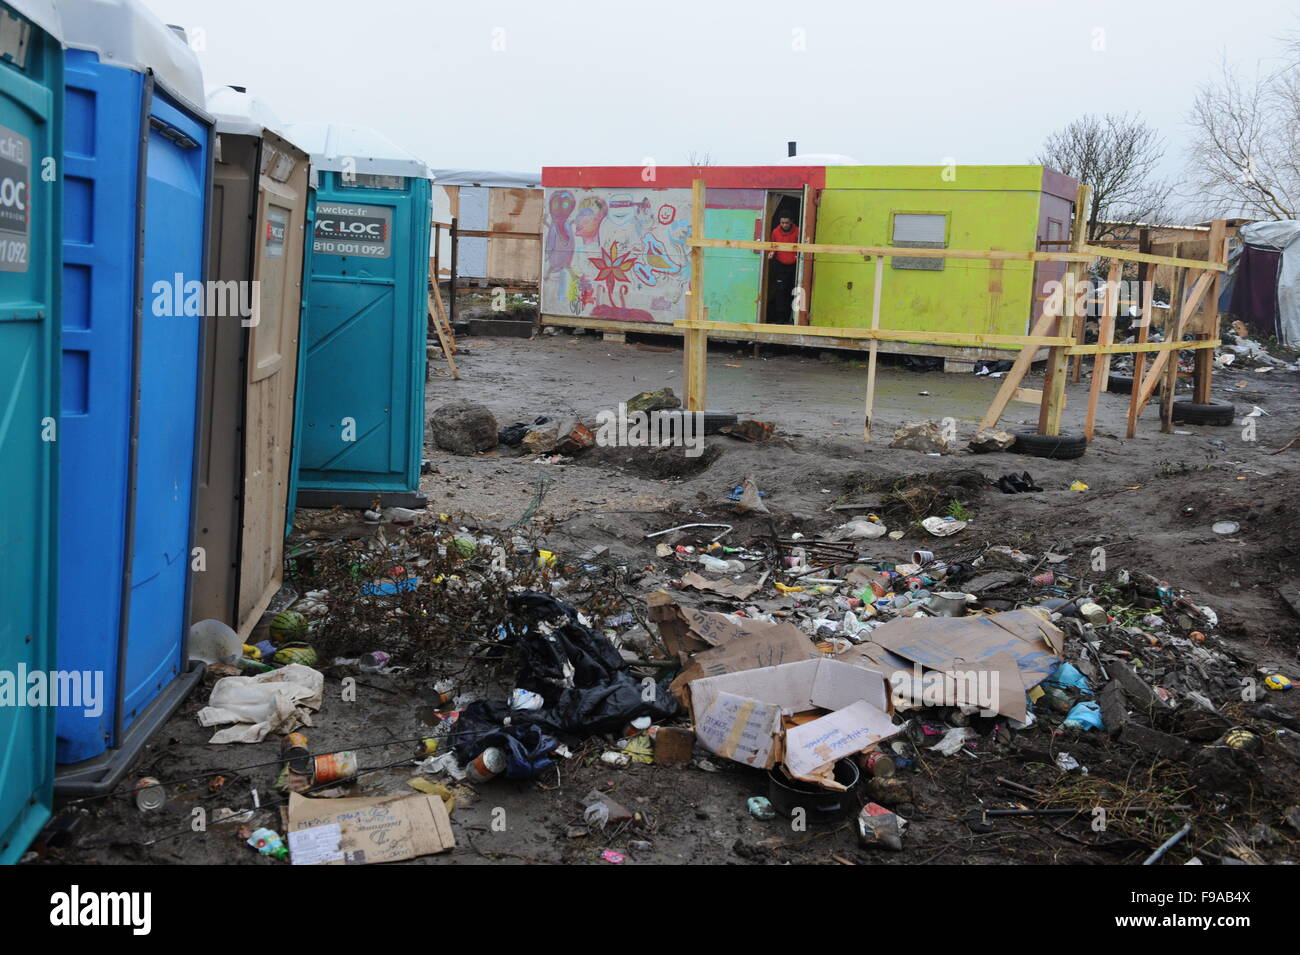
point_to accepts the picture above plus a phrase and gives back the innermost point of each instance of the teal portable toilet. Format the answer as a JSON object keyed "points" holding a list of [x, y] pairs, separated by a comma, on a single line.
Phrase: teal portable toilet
{"points": [[31, 131], [361, 383], [138, 150]]}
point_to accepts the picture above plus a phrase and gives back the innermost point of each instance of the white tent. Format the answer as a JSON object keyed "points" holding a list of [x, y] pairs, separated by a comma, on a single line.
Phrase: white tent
{"points": [[1284, 237]]}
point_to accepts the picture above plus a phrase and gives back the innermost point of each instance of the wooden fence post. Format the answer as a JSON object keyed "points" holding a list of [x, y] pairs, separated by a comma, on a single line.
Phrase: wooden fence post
{"points": [[1105, 336], [695, 343], [874, 348], [1203, 378]]}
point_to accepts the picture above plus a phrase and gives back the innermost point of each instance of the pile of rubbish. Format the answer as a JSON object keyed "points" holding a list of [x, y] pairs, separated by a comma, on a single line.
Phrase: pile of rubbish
{"points": [[855, 672]]}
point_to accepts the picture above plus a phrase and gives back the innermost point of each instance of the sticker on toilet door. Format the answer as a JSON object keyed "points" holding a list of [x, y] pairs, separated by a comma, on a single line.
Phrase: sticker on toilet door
{"points": [[15, 200], [277, 229], [349, 229]]}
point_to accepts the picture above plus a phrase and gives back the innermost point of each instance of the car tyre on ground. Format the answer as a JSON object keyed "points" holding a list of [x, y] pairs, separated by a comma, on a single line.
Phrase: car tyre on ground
{"points": [[1061, 447], [1215, 413]]}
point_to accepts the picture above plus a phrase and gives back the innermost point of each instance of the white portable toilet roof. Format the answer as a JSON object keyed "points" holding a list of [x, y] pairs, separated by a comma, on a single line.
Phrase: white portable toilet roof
{"points": [[42, 13], [481, 177], [126, 33], [337, 147], [240, 113]]}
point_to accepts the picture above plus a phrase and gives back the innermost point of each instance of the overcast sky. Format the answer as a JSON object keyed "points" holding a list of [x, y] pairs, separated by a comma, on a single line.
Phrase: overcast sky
{"points": [[521, 85]]}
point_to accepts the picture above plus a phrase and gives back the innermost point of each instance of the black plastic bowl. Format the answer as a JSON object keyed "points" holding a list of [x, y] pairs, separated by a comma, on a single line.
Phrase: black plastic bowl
{"points": [[787, 794]]}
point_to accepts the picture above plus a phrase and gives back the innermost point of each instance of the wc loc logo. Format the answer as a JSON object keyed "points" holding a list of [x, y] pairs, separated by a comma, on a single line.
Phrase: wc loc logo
{"points": [[15, 200], [353, 229], [369, 228]]}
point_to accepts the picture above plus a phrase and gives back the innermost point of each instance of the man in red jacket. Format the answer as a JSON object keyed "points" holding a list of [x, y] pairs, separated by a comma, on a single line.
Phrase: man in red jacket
{"points": [[780, 290]]}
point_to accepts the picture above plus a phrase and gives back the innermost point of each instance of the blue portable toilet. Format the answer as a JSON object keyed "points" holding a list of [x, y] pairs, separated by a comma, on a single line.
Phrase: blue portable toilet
{"points": [[137, 161], [31, 116], [364, 322]]}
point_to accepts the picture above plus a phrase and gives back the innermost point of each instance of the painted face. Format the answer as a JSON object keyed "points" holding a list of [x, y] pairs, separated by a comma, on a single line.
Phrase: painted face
{"points": [[561, 205], [621, 206], [667, 214], [591, 213]]}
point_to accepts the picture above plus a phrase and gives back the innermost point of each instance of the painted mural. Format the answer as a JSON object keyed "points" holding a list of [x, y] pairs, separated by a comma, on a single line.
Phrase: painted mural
{"points": [[617, 254]]}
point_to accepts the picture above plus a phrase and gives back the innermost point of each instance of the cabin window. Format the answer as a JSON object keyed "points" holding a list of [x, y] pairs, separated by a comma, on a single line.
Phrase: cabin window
{"points": [[919, 230]]}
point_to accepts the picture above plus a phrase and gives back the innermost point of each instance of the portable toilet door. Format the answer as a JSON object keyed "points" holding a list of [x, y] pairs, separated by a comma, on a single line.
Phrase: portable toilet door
{"points": [[138, 168], [258, 232], [365, 322], [31, 105]]}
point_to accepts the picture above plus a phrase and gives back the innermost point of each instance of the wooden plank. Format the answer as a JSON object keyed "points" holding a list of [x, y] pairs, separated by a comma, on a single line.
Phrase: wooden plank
{"points": [[499, 234], [1105, 336], [441, 314], [1171, 365], [885, 334], [1146, 292], [1034, 396], [1110, 311], [435, 312], [1049, 414], [1172, 345], [1208, 327], [695, 344], [875, 346], [815, 248], [1154, 259], [1054, 378], [1011, 383], [1140, 348], [1075, 272], [812, 199]]}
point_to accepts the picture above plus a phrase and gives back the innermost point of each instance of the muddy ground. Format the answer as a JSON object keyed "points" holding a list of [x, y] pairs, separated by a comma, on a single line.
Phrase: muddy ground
{"points": [[1151, 502]]}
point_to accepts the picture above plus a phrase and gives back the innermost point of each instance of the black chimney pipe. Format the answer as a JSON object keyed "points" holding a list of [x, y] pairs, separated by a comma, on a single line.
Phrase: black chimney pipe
{"points": [[790, 148]]}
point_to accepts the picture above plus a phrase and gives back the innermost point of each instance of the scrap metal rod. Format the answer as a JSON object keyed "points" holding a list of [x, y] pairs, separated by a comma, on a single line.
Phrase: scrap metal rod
{"points": [[1168, 844]]}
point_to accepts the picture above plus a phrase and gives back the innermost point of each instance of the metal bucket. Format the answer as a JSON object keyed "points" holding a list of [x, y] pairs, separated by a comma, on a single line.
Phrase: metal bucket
{"points": [[788, 794]]}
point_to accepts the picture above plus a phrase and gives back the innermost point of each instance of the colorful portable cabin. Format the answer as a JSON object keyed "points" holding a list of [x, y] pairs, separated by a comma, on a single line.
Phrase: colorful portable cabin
{"points": [[258, 230], [137, 168], [614, 251], [31, 129], [362, 377]]}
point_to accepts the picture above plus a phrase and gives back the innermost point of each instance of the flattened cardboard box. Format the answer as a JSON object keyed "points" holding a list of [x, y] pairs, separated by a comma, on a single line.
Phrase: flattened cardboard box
{"points": [[687, 630], [1018, 648], [739, 716], [367, 831]]}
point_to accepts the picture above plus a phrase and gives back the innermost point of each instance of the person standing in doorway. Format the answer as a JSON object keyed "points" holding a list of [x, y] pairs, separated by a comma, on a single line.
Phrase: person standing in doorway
{"points": [[780, 290]]}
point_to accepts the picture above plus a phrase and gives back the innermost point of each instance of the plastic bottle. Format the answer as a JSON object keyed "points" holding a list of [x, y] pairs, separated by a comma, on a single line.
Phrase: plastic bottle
{"points": [[719, 566], [269, 843]]}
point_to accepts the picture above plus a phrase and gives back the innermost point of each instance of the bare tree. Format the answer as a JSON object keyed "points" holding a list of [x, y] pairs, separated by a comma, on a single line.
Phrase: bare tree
{"points": [[1117, 156], [694, 158], [1245, 154]]}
